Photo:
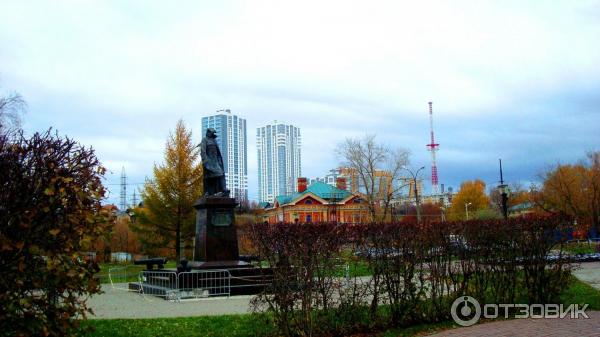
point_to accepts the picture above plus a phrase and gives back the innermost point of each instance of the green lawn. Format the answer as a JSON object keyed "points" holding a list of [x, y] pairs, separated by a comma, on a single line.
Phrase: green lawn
{"points": [[579, 293], [226, 325], [582, 247], [251, 325], [122, 272]]}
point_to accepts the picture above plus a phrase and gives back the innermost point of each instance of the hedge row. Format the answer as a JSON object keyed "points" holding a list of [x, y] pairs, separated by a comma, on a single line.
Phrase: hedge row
{"points": [[417, 270]]}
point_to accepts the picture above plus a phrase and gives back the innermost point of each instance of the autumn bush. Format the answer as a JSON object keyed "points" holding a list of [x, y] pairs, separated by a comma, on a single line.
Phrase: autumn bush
{"points": [[49, 215], [417, 270], [303, 261]]}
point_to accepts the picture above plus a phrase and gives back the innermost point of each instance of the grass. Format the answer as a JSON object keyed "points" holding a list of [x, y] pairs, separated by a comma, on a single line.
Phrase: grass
{"points": [[582, 247], [580, 293], [213, 326], [356, 268], [127, 272], [253, 325], [359, 268]]}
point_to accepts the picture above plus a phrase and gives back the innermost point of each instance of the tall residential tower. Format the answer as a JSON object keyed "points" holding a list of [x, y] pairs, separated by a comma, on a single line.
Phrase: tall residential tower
{"points": [[279, 159], [231, 137]]}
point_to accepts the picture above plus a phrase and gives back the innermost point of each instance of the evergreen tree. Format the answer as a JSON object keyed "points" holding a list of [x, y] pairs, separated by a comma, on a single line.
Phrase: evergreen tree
{"points": [[168, 215]]}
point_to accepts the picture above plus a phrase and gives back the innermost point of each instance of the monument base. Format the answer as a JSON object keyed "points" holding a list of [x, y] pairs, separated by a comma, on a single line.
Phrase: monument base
{"points": [[216, 237], [204, 281], [201, 265]]}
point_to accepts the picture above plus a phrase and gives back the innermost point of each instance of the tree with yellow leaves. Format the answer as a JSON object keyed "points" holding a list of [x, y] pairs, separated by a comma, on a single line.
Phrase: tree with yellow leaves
{"points": [[573, 190], [472, 194], [168, 215]]}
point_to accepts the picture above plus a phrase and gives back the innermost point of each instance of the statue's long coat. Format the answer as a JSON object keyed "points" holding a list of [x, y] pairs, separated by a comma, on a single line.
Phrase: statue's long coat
{"points": [[212, 161]]}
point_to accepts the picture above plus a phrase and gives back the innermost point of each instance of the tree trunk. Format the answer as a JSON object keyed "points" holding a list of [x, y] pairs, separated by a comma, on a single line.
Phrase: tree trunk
{"points": [[178, 243]]}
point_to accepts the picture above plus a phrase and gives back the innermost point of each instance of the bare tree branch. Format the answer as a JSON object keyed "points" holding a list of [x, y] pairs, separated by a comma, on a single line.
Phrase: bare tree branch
{"points": [[11, 107], [376, 168]]}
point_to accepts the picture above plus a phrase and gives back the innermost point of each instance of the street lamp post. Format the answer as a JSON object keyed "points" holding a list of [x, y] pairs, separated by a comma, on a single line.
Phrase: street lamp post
{"points": [[414, 177], [132, 216], [503, 187], [467, 209]]}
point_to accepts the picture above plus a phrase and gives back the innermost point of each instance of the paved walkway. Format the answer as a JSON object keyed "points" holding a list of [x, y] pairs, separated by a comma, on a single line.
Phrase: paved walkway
{"points": [[589, 272], [532, 327], [119, 303]]}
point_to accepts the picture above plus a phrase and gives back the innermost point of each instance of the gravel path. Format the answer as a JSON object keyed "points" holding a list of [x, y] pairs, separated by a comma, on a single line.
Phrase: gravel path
{"points": [[120, 303]]}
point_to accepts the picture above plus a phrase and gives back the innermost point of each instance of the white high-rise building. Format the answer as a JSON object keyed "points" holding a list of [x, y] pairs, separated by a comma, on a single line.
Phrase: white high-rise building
{"points": [[279, 160], [232, 141]]}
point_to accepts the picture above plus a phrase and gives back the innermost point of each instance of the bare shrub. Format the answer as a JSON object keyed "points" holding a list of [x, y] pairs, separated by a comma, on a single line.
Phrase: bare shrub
{"points": [[416, 270]]}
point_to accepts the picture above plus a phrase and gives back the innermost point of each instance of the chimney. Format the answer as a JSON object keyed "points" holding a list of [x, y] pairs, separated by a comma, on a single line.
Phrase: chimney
{"points": [[340, 183], [301, 185]]}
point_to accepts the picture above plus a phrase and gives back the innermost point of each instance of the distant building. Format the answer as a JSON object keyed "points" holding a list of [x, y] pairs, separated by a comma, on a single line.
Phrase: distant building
{"points": [[332, 179], [232, 141], [443, 199], [317, 203], [410, 184], [353, 183], [120, 257], [328, 179], [279, 160]]}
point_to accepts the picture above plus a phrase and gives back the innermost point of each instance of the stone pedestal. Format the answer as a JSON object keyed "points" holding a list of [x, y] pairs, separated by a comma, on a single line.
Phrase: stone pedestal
{"points": [[216, 237], [215, 254]]}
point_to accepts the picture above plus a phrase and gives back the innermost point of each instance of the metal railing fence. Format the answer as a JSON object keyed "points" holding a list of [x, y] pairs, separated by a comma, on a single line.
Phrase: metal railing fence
{"points": [[184, 285], [204, 283]]}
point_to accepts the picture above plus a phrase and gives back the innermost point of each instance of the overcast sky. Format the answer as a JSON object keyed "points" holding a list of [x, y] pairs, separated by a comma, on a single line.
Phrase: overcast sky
{"points": [[515, 80]]}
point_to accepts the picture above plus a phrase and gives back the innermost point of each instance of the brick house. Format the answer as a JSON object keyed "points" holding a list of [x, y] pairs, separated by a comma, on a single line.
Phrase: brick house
{"points": [[318, 202]]}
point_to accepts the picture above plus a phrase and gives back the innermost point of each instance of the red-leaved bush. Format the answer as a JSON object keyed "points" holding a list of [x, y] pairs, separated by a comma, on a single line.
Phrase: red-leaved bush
{"points": [[415, 269], [49, 215]]}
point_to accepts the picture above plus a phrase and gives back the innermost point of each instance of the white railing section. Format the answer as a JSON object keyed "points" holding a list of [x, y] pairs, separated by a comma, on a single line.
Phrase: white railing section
{"points": [[204, 283], [120, 276], [161, 283], [176, 286]]}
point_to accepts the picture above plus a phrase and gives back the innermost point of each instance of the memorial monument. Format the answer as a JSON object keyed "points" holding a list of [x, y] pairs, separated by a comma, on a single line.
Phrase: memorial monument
{"points": [[216, 268], [215, 243]]}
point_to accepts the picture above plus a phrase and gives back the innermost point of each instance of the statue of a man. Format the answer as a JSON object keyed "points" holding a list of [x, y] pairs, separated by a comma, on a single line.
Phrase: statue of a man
{"points": [[212, 163]]}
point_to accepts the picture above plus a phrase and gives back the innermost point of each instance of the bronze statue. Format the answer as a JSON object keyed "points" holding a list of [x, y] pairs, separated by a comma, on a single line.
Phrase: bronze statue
{"points": [[212, 163]]}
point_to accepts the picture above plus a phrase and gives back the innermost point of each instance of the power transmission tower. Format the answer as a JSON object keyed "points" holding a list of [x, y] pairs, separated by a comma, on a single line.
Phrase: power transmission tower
{"points": [[123, 190], [134, 200]]}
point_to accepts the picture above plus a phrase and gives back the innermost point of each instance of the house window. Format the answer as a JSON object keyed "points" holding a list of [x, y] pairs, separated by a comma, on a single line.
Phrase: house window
{"points": [[309, 218], [308, 202]]}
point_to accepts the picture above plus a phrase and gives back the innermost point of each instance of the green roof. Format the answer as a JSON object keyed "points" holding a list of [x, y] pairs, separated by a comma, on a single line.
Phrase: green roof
{"points": [[283, 199], [521, 207], [320, 189], [264, 204]]}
